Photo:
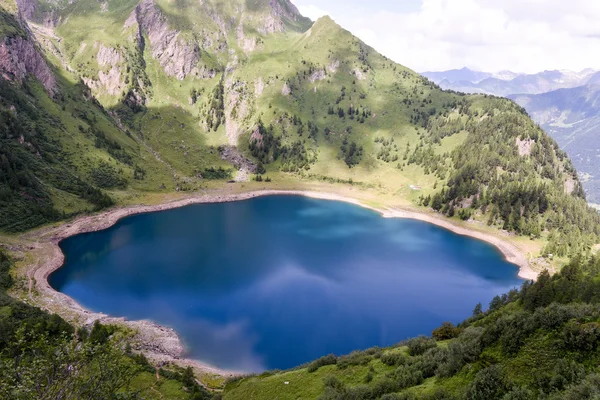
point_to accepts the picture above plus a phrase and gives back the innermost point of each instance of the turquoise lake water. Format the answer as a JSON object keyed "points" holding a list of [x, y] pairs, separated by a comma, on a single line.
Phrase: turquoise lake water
{"points": [[277, 281]]}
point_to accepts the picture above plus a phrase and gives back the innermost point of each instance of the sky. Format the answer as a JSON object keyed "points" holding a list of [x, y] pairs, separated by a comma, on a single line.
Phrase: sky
{"points": [[487, 35]]}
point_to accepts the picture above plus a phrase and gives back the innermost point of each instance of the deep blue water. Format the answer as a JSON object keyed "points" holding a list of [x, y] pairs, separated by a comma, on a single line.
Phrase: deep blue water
{"points": [[276, 281]]}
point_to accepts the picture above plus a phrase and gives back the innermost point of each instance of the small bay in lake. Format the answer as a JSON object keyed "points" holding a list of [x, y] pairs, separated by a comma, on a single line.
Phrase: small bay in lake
{"points": [[277, 281]]}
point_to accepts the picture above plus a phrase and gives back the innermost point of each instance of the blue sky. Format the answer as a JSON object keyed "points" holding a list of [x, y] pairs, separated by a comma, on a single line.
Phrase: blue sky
{"points": [[488, 35]]}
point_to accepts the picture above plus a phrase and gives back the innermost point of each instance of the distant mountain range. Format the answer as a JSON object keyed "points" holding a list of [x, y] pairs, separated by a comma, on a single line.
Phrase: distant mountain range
{"points": [[565, 104], [505, 83]]}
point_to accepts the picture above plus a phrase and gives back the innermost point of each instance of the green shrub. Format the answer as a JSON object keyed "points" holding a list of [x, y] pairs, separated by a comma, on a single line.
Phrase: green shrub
{"points": [[419, 345], [321, 362]]}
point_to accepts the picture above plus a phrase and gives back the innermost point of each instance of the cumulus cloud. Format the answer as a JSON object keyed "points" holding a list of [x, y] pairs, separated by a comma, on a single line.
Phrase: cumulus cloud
{"points": [[489, 35]]}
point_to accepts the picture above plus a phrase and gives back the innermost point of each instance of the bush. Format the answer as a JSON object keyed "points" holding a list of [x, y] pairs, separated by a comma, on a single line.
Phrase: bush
{"points": [[106, 176], [354, 358], [488, 384], [581, 337], [216, 173], [589, 388], [446, 331], [566, 373], [394, 359], [408, 376], [466, 348], [519, 393], [419, 345], [321, 362]]}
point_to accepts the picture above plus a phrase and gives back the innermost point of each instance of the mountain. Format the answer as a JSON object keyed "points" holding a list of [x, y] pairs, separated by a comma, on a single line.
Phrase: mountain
{"points": [[563, 103], [155, 96], [457, 75], [572, 117], [116, 102], [506, 82]]}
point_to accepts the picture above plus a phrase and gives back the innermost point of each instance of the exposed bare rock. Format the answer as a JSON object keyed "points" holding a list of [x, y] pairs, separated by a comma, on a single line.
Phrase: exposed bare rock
{"points": [[232, 155], [272, 25], [248, 44], [570, 185], [525, 146], [26, 8], [259, 86], [317, 76], [30, 12], [359, 74], [107, 56], [135, 99], [109, 79], [257, 138], [286, 89], [281, 10], [19, 57], [178, 57], [285, 8], [238, 108], [333, 67]]}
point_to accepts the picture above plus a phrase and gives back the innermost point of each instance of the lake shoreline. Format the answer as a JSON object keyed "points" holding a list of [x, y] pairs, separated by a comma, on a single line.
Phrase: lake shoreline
{"points": [[161, 344]]}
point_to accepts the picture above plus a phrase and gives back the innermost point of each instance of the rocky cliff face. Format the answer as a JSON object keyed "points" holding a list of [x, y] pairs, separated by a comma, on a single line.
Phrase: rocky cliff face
{"points": [[282, 13], [30, 12], [27, 8], [177, 56], [109, 79], [19, 57]]}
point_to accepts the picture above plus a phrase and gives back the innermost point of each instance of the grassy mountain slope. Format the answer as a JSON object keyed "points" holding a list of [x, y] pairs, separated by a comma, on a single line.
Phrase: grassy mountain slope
{"points": [[106, 102], [299, 100], [571, 117]]}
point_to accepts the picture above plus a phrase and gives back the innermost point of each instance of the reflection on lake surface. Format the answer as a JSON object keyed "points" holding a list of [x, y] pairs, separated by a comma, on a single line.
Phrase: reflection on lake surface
{"points": [[277, 281]]}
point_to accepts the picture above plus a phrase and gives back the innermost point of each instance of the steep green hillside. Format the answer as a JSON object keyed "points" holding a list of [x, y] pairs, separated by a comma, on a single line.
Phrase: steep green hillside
{"points": [[571, 117], [110, 102], [187, 80]]}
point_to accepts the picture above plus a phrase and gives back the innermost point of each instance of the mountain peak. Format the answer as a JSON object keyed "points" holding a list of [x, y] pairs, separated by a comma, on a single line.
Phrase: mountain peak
{"points": [[280, 12]]}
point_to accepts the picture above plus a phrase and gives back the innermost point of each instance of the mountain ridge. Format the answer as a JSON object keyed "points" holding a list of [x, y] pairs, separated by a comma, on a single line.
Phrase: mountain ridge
{"points": [[156, 98], [508, 83], [217, 90]]}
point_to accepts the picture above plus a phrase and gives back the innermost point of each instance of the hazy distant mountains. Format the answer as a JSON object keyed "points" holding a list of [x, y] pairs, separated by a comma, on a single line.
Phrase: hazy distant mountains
{"points": [[565, 104], [507, 82]]}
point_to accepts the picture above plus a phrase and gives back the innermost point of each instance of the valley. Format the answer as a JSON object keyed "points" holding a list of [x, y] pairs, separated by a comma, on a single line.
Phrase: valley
{"points": [[113, 108]]}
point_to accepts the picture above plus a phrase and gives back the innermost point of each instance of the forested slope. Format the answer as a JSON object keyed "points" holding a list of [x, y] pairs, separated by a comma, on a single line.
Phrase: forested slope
{"points": [[157, 99], [102, 101]]}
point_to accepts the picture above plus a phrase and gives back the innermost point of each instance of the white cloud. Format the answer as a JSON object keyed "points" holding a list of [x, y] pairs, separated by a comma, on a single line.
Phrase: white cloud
{"points": [[490, 35], [311, 11]]}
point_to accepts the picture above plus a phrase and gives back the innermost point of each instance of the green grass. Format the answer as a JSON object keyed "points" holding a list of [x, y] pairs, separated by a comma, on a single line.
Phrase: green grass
{"points": [[150, 388]]}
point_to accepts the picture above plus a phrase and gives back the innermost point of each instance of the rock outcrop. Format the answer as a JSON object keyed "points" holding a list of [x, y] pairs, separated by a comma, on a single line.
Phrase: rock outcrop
{"points": [[232, 155], [286, 90], [238, 108], [110, 77], [19, 57], [29, 11], [107, 56], [177, 56], [281, 11]]}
